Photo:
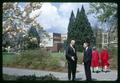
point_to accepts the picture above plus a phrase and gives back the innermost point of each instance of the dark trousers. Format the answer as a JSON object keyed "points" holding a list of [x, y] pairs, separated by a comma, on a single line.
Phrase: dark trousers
{"points": [[87, 70], [72, 69]]}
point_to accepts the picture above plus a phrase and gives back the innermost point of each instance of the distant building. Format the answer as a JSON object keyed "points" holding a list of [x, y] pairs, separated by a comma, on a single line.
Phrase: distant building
{"points": [[54, 42], [104, 39], [110, 38], [48, 42], [113, 38], [98, 36], [63, 37]]}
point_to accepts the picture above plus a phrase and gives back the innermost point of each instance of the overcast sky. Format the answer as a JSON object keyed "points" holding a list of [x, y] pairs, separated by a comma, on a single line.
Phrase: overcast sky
{"points": [[54, 17]]}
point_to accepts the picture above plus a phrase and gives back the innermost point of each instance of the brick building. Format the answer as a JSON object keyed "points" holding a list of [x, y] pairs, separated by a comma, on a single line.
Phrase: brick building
{"points": [[54, 42]]}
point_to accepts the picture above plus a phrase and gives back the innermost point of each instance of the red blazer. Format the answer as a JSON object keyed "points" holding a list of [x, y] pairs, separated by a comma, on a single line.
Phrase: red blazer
{"points": [[104, 56], [95, 58]]}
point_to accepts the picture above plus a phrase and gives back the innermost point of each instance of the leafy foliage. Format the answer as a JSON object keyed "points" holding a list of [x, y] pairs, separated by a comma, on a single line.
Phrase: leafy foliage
{"points": [[17, 22], [29, 77], [105, 12], [33, 77]]}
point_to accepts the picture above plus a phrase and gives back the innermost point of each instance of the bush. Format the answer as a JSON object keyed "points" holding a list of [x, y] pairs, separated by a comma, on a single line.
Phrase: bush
{"points": [[33, 77], [9, 77], [80, 57], [29, 77], [36, 59], [31, 58], [53, 62], [113, 60]]}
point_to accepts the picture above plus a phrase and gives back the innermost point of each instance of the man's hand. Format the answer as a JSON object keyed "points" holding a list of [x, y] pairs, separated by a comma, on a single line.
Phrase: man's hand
{"points": [[72, 58]]}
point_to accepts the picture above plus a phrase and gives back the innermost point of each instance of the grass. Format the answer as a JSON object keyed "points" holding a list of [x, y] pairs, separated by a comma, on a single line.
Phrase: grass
{"points": [[8, 58]]}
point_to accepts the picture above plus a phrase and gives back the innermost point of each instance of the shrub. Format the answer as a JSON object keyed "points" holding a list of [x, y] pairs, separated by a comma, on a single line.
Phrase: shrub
{"points": [[36, 59], [29, 77], [53, 62], [31, 58], [80, 57], [113, 60], [33, 77], [9, 77]]}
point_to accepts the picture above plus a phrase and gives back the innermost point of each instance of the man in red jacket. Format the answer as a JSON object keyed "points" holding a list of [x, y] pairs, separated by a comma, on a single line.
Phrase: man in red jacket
{"points": [[95, 60], [104, 59]]}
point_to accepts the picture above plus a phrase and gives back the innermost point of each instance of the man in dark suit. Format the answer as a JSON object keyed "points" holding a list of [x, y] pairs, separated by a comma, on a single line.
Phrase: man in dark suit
{"points": [[87, 60], [71, 59]]}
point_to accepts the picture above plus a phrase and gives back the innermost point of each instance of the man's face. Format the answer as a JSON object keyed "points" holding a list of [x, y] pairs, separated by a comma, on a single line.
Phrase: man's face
{"points": [[85, 45], [73, 42]]}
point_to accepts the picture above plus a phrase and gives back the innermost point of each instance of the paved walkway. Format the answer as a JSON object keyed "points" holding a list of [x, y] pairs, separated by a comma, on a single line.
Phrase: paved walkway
{"points": [[62, 76]]}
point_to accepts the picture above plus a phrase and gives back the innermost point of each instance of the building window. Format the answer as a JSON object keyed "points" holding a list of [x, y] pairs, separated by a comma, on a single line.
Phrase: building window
{"points": [[105, 41]]}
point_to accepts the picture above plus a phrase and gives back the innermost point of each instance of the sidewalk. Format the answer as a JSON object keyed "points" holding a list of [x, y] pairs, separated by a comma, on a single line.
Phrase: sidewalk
{"points": [[80, 75]]}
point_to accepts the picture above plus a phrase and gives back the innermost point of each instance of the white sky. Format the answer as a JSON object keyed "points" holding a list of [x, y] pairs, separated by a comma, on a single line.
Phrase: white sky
{"points": [[54, 17]]}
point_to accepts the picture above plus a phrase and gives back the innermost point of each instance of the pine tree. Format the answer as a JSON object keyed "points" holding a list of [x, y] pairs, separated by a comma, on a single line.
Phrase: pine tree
{"points": [[81, 30], [88, 32], [70, 27]]}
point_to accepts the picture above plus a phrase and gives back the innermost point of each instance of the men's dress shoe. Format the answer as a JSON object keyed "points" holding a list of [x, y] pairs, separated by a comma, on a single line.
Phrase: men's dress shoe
{"points": [[102, 71], [93, 71], [106, 71], [97, 71], [69, 78], [73, 79]]}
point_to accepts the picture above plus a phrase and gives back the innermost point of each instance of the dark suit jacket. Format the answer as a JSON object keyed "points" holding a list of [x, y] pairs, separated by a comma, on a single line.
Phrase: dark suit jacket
{"points": [[87, 55], [69, 53]]}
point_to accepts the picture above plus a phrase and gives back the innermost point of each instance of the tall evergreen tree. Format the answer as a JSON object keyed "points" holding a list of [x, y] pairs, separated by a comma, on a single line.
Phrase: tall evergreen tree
{"points": [[81, 30], [85, 30], [70, 27]]}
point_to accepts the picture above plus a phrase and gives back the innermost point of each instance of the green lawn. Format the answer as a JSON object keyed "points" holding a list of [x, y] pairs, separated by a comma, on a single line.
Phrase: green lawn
{"points": [[8, 58]]}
